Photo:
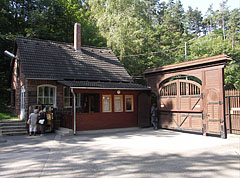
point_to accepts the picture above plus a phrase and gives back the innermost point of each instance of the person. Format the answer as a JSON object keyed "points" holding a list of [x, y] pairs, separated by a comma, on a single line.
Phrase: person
{"points": [[154, 116], [33, 118], [42, 121]]}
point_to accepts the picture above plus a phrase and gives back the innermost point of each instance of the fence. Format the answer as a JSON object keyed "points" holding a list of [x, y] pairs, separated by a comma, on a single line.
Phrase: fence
{"points": [[232, 111]]}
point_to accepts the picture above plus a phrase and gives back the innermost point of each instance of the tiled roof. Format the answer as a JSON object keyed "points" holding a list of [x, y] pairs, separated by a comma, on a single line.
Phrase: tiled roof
{"points": [[108, 85], [198, 62], [59, 61]]}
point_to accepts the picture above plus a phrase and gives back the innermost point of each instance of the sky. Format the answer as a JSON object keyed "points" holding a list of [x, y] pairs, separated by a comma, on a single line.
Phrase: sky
{"points": [[203, 5]]}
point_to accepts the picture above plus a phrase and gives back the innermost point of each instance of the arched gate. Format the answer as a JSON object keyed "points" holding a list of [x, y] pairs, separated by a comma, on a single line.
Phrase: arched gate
{"points": [[191, 95]]}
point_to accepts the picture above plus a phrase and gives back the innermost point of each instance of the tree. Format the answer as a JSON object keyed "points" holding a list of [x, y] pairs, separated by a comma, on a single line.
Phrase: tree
{"points": [[234, 25], [123, 23], [193, 20]]}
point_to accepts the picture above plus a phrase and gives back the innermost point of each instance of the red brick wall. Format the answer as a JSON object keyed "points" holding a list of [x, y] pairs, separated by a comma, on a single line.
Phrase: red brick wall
{"points": [[95, 121]]}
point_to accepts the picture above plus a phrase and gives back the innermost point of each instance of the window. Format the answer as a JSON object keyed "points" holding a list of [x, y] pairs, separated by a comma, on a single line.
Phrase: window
{"points": [[129, 103], [107, 103], [118, 103], [90, 102], [68, 98], [169, 90], [189, 89], [46, 94]]}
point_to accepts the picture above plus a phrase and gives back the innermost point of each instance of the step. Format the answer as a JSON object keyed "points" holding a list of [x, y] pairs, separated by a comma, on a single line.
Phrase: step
{"points": [[64, 131], [12, 126], [11, 120], [15, 133], [13, 130], [12, 123]]}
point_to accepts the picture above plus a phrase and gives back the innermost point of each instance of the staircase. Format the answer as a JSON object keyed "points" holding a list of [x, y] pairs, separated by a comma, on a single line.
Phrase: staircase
{"points": [[12, 127]]}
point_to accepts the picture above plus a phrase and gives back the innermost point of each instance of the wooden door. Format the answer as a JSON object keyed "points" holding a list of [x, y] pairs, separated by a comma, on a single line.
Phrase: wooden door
{"points": [[214, 112], [144, 110]]}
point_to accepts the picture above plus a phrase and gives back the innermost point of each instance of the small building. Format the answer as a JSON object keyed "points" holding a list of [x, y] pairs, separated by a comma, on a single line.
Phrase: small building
{"points": [[190, 95], [88, 86]]}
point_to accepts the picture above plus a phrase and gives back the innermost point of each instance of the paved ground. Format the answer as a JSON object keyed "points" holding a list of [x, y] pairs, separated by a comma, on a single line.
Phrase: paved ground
{"points": [[139, 153]]}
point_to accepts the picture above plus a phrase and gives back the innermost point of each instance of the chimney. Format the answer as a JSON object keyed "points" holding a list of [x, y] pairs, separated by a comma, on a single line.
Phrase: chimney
{"points": [[77, 36]]}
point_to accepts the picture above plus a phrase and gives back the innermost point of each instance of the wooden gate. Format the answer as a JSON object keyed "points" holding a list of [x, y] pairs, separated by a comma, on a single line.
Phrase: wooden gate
{"points": [[191, 94], [181, 104]]}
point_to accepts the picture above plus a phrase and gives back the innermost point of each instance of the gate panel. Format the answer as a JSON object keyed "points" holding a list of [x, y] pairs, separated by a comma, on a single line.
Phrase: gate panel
{"points": [[181, 105]]}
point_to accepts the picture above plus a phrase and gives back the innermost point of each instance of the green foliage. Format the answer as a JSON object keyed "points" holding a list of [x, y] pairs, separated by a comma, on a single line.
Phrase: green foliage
{"points": [[7, 115]]}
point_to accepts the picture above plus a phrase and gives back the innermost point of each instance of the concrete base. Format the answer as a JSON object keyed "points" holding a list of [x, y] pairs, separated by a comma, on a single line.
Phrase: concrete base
{"points": [[103, 131], [64, 131]]}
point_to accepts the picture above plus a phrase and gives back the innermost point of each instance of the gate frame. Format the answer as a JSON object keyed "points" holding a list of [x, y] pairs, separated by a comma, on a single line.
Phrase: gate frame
{"points": [[210, 71]]}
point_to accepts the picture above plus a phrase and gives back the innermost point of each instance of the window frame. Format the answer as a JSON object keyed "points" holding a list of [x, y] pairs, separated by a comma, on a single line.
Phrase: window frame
{"points": [[68, 97], [110, 104], [43, 97], [121, 96], [132, 103], [78, 98]]}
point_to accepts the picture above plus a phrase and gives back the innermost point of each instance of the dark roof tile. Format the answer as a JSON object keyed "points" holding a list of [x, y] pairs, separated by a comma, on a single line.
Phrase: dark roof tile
{"points": [[47, 59]]}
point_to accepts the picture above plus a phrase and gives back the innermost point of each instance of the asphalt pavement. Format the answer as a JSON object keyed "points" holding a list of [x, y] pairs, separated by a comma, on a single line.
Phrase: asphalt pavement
{"points": [[128, 153]]}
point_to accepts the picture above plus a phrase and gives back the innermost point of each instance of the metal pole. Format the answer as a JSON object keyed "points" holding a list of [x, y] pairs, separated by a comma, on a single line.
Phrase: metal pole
{"points": [[229, 114], [185, 51]]}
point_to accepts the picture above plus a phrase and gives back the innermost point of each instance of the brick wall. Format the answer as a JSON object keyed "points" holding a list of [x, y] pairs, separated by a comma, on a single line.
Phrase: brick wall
{"points": [[101, 120]]}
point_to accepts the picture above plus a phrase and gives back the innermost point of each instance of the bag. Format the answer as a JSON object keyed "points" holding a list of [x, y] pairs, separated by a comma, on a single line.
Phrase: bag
{"points": [[41, 121], [29, 121]]}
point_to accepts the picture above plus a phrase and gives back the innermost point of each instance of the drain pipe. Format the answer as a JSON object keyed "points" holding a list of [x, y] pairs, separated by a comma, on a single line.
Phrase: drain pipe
{"points": [[74, 111]]}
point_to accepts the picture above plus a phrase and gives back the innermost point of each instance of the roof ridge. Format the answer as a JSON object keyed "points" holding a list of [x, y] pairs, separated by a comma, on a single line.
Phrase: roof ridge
{"points": [[61, 42], [43, 40]]}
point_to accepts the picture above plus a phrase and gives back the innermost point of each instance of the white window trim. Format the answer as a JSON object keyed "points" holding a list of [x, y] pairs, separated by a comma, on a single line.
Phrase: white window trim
{"points": [[78, 98], [48, 85], [121, 96], [110, 104]]}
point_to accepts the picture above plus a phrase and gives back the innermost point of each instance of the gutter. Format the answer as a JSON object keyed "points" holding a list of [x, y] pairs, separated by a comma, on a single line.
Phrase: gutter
{"points": [[97, 88], [74, 111]]}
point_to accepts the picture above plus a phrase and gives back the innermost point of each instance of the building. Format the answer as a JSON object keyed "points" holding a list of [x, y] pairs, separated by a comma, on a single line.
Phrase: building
{"points": [[87, 86]]}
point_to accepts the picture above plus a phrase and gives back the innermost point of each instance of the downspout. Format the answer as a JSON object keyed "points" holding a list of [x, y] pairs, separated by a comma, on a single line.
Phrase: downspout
{"points": [[74, 111]]}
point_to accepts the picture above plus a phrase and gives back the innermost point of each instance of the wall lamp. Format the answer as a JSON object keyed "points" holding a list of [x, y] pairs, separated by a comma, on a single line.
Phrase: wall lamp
{"points": [[11, 55]]}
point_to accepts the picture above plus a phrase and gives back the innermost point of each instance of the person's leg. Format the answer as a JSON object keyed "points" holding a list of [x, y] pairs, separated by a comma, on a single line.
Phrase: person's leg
{"points": [[30, 130], [42, 129], [153, 123], [35, 129]]}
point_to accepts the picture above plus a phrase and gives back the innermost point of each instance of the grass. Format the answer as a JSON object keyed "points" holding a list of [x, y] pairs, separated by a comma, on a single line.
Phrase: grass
{"points": [[7, 115]]}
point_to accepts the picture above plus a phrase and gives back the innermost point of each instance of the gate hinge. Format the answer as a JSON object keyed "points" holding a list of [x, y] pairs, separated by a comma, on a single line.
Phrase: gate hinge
{"points": [[202, 95]]}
